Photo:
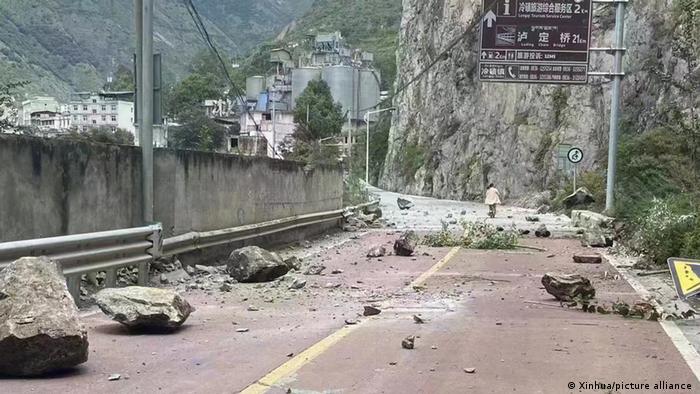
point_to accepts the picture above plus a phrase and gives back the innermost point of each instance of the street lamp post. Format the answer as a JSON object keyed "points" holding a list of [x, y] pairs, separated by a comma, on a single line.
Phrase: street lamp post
{"points": [[367, 117]]}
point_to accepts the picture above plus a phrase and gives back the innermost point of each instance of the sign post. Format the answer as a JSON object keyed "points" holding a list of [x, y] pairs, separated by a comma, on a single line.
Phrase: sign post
{"points": [[575, 156], [535, 41]]}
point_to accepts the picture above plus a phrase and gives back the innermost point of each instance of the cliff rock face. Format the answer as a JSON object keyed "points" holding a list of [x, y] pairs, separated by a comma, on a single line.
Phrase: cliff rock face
{"points": [[452, 135]]}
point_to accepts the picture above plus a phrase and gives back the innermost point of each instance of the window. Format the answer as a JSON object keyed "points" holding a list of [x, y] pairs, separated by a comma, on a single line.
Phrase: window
{"points": [[234, 143], [114, 107], [84, 118], [267, 116], [75, 117], [85, 108], [114, 118], [104, 118], [75, 108], [94, 111], [104, 108], [94, 121], [94, 101]]}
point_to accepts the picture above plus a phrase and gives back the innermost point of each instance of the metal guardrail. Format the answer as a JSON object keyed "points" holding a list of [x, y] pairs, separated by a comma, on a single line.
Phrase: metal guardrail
{"points": [[108, 251], [89, 253], [194, 241]]}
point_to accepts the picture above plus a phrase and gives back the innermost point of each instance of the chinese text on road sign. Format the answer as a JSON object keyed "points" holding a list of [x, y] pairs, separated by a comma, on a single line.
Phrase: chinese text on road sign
{"points": [[535, 41]]}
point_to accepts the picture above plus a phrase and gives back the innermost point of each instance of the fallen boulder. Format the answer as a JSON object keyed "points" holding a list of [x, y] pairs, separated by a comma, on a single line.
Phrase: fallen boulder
{"points": [[568, 287], [596, 239], [40, 330], [377, 251], [253, 264], [144, 307], [406, 244], [588, 259], [404, 204], [580, 197], [543, 232]]}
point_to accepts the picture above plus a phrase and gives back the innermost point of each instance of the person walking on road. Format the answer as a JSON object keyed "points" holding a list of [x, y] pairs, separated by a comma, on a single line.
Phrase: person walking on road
{"points": [[493, 198]]}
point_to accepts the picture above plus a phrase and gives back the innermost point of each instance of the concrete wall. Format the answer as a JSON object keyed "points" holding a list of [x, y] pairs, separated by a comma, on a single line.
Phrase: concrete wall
{"points": [[50, 187], [204, 191], [56, 187]]}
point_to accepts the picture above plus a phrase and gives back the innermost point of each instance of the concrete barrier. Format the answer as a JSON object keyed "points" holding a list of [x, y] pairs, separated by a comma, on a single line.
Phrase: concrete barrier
{"points": [[58, 187]]}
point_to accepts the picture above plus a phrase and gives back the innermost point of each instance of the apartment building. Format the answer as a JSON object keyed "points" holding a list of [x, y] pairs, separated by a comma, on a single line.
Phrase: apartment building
{"points": [[111, 109]]}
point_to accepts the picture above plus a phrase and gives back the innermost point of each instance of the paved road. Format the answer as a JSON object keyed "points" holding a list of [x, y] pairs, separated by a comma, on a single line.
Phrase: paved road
{"points": [[483, 309]]}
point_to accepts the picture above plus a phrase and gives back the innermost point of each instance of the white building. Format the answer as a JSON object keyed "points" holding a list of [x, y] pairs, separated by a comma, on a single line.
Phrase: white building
{"points": [[111, 109], [274, 134], [42, 112]]}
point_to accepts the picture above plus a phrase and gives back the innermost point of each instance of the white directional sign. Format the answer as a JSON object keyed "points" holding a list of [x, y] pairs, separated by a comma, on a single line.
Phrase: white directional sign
{"points": [[575, 155]]}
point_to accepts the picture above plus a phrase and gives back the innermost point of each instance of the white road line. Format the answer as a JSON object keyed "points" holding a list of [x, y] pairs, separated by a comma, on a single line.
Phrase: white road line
{"points": [[680, 341]]}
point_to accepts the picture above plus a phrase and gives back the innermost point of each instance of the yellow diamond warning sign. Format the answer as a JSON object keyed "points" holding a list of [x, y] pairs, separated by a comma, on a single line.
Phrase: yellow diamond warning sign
{"points": [[686, 276]]}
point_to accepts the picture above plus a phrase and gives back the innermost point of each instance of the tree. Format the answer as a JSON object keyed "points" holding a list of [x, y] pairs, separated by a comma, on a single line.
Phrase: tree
{"points": [[8, 111], [102, 134], [123, 80], [325, 118], [197, 132]]}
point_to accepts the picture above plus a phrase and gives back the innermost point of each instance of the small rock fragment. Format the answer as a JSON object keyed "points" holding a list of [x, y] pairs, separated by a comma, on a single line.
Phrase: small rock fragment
{"points": [[242, 330], [418, 320], [377, 251], [114, 377], [588, 259], [315, 269], [371, 311], [470, 370], [297, 284], [408, 342]]}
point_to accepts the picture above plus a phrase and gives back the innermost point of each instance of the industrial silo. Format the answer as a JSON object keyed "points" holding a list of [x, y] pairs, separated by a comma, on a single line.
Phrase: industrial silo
{"points": [[300, 80], [370, 86], [253, 87], [342, 81]]}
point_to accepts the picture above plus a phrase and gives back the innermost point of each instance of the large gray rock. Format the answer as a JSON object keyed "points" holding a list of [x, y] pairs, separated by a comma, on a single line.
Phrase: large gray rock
{"points": [[404, 204], [595, 238], [253, 264], [568, 287], [40, 330], [580, 197], [144, 307], [406, 244]]}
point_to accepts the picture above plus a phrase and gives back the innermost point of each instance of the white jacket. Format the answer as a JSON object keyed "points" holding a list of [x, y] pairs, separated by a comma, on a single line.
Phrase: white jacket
{"points": [[493, 197]]}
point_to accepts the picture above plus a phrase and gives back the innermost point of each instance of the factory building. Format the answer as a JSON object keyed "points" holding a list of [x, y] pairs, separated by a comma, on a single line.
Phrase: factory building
{"points": [[271, 100]]}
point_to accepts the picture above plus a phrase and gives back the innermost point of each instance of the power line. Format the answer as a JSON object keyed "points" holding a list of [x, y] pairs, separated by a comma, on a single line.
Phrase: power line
{"points": [[201, 28], [470, 29]]}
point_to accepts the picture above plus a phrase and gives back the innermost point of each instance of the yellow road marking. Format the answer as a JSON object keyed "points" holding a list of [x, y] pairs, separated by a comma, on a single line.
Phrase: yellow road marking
{"points": [[427, 274], [310, 354]]}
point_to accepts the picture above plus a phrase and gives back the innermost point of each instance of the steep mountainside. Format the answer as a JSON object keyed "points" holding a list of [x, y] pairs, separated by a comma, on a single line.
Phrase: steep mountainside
{"points": [[452, 135], [64, 45]]}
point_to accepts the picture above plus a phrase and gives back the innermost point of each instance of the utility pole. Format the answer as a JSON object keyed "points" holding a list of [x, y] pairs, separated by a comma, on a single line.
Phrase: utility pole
{"points": [[618, 74], [146, 114], [138, 26], [274, 122]]}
